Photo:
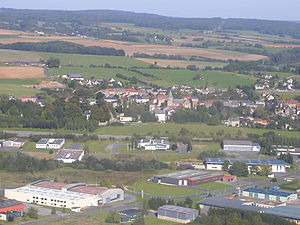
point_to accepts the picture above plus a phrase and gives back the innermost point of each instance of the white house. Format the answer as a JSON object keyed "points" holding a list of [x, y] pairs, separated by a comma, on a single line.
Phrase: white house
{"points": [[276, 166], [154, 144], [160, 115], [14, 143], [50, 143], [69, 155]]}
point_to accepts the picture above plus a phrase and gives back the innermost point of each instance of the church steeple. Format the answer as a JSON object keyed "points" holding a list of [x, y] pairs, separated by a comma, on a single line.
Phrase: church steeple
{"points": [[170, 99]]}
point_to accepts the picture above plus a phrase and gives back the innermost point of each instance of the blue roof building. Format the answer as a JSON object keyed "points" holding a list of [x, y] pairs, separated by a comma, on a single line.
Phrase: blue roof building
{"points": [[279, 196]]}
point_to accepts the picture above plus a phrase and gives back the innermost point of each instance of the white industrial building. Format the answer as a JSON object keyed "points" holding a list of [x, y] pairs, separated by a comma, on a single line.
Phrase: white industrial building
{"points": [[240, 145], [69, 155], [71, 196], [276, 166], [50, 143], [153, 144]]}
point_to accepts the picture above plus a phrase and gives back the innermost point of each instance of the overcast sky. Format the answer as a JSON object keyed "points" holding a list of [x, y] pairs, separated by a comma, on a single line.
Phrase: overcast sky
{"points": [[261, 9]]}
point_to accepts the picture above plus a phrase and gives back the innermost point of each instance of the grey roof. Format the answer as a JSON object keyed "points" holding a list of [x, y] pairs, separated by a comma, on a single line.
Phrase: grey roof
{"points": [[247, 161], [183, 174], [236, 203], [269, 192], [237, 142], [131, 212], [75, 76], [68, 154], [57, 141], [6, 203], [285, 211], [43, 141], [178, 209]]}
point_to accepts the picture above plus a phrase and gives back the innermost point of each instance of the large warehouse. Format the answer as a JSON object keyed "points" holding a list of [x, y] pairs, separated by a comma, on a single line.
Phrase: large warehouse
{"points": [[279, 196], [177, 214], [278, 166], [240, 145], [188, 177], [71, 196]]}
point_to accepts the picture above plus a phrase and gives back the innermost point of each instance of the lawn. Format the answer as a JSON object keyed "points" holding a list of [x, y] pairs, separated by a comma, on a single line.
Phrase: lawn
{"points": [[214, 186], [292, 186], [98, 146], [15, 87], [159, 189], [87, 60]]}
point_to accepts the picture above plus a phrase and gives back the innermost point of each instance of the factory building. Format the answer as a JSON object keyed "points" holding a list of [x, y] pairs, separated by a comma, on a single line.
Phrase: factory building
{"points": [[240, 145], [177, 214], [71, 196], [278, 166], [10, 209], [279, 196], [189, 177], [50, 143]]}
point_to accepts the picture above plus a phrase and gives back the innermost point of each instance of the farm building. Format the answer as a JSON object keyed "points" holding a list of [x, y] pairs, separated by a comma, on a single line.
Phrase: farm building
{"points": [[279, 196], [153, 144], [187, 178], [240, 145], [50, 143], [71, 196], [177, 214], [10, 209], [69, 155], [217, 163]]}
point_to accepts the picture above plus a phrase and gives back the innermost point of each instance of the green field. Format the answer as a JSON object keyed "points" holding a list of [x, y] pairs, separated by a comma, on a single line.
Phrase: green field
{"points": [[87, 60], [14, 86], [214, 186], [217, 79], [163, 129], [292, 186], [165, 190]]}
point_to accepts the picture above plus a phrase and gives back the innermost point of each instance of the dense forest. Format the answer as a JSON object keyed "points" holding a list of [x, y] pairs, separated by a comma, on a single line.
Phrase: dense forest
{"points": [[74, 22], [62, 47]]}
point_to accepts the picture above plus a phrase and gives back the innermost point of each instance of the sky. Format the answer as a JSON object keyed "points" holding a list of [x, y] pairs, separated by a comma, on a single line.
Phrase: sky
{"points": [[259, 9]]}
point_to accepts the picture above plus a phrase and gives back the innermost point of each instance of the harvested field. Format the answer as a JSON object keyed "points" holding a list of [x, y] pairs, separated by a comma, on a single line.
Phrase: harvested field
{"points": [[11, 32], [172, 50], [283, 46], [12, 55], [21, 72], [148, 49]]}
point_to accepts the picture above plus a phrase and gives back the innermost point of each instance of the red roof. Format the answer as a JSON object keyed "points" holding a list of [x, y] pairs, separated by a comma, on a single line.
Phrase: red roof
{"points": [[88, 190], [291, 102], [51, 185]]}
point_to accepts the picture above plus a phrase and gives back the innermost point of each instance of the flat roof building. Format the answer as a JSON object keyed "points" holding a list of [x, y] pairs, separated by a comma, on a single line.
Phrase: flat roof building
{"points": [[240, 145], [187, 178], [217, 163], [129, 215], [177, 213], [279, 196], [288, 212], [71, 196]]}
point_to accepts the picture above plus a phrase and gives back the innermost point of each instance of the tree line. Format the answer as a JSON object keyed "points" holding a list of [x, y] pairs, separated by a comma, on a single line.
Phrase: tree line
{"points": [[63, 47]]}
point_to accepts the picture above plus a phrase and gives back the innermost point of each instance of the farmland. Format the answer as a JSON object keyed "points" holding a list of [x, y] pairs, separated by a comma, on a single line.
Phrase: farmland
{"points": [[16, 87], [9, 72]]}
